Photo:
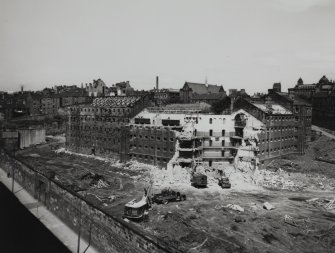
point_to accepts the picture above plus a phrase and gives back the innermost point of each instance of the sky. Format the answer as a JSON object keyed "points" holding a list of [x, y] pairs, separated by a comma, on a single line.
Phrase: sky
{"points": [[235, 43]]}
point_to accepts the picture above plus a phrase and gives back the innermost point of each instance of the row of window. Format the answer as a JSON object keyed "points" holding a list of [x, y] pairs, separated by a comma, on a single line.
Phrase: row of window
{"points": [[95, 128], [285, 128], [148, 127], [211, 121], [102, 110], [278, 149], [151, 147], [280, 118], [104, 119], [93, 138], [278, 139], [151, 137]]}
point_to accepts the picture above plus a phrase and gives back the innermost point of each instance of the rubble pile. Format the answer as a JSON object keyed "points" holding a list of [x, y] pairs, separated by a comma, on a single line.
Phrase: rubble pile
{"points": [[278, 180], [283, 164], [134, 165], [171, 176], [100, 184], [187, 132], [325, 203], [94, 180]]}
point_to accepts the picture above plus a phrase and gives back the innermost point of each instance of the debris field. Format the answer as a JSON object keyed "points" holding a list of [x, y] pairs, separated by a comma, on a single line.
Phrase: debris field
{"points": [[285, 206]]}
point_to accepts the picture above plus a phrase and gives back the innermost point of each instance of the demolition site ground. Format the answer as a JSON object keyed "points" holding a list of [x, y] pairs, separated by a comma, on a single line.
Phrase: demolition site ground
{"points": [[300, 188]]}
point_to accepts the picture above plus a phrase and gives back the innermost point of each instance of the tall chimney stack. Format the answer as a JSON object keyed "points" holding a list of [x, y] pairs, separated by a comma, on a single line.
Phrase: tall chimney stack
{"points": [[157, 83]]}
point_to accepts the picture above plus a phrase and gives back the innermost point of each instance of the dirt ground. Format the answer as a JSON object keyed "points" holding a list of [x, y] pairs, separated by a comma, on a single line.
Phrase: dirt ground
{"points": [[204, 223]]}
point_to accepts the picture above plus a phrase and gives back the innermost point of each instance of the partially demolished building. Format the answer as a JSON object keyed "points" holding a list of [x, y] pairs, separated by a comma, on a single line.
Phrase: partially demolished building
{"points": [[188, 139], [120, 127], [282, 133]]}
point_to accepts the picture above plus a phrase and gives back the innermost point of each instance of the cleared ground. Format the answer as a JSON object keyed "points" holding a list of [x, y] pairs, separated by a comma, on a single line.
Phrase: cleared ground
{"points": [[204, 223]]}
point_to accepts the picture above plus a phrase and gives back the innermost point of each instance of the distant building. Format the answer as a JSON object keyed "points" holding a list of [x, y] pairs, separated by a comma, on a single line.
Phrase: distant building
{"points": [[166, 96], [14, 105], [50, 105], [277, 87], [322, 97], [97, 88], [34, 104], [234, 93], [182, 108], [302, 90], [123, 89], [73, 99], [199, 92], [70, 89], [324, 104]]}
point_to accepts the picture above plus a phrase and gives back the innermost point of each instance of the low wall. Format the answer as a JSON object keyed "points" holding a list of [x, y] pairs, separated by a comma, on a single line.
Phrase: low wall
{"points": [[107, 233], [88, 151]]}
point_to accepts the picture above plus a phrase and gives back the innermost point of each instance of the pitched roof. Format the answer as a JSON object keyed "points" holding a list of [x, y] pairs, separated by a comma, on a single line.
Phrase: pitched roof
{"points": [[208, 96], [272, 108], [199, 88], [116, 101], [214, 88]]}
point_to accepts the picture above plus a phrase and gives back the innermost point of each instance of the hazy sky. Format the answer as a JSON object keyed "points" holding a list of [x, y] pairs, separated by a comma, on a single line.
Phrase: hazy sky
{"points": [[237, 43]]}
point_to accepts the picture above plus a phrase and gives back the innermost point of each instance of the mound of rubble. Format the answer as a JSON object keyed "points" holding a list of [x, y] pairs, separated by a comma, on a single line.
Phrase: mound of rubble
{"points": [[328, 204], [173, 175]]}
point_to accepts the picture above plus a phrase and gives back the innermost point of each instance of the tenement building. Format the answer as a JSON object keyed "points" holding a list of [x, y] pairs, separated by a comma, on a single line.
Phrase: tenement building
{"points": [[96, 128], [281, 133], [120, 127], [302, 111]]}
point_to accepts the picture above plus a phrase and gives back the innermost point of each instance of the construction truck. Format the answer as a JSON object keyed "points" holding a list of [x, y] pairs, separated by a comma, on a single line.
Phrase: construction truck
{"points": [[167, 196], [138, 210], [199, 180], [224, 182]]}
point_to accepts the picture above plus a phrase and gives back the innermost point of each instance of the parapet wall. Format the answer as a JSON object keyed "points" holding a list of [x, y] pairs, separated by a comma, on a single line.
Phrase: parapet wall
{"points": [[107, 233]]}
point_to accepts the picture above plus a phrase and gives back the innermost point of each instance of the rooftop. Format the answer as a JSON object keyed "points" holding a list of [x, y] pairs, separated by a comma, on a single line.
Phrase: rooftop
{"points": [[116, 101], [272, 108]]}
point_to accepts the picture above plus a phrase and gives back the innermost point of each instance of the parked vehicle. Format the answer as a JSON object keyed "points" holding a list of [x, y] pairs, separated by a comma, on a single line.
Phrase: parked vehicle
{"points": [[138, 210], [167, 196], [199, 180], [224, 182]]}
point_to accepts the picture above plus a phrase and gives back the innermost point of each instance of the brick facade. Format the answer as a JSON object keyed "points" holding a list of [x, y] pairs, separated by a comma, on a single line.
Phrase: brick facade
{"points": [[96, 128], [282, 134]]}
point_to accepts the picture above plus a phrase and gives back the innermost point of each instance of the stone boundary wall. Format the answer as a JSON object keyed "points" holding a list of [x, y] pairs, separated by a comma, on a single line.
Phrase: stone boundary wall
{"points": [[106, 233]]}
